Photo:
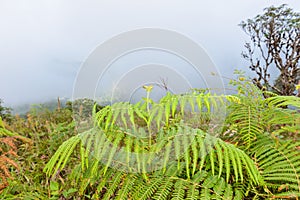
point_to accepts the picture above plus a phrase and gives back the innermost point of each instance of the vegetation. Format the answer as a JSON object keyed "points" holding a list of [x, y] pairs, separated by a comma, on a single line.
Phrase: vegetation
{"points": [[8, 152], [182, 152], [42, 132], [255, 156], [5, 112], [197, 145], [275, 45]]}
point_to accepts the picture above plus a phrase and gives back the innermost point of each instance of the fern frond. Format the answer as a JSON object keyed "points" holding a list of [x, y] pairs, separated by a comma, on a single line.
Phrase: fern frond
{"points": [[278, 162], [164, 189], [179, 190], [282, 101], [126, 187], [113, 185], [61, 156], [146, 190]]}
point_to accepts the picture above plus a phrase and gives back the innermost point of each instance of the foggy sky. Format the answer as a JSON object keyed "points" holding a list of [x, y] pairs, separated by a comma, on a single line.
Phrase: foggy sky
{"points": [[43, 43]]}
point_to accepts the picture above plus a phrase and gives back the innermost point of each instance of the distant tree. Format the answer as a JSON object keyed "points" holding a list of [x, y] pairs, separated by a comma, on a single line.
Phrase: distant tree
{"points": [[5, 112], [83, 107], [275, 45]]}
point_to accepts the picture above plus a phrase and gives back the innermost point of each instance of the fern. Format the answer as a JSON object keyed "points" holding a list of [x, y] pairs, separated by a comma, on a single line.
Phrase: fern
{"points": [[279, 164], [179, 190], [167, 149], [126, 187], [61, 156], [246, 117], [282, 101]]}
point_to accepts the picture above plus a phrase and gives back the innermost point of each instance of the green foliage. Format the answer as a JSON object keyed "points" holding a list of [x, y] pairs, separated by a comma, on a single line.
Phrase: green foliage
{"points": [[178, 148], [5, 112], [204, 166], [279, 164], [265, 127], [46, 133], [8, 153]]}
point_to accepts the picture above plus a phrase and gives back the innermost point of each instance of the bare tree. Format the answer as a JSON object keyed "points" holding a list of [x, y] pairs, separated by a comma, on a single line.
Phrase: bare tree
{"points": [[275, 43]]}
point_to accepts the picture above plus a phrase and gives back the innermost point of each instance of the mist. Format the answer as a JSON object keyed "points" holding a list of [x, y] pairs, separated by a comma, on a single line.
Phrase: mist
{"points": [[44, 43]]}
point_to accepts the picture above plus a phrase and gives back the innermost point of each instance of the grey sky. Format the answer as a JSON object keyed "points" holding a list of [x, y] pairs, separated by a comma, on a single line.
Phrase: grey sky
{"points": [[43, 43]]}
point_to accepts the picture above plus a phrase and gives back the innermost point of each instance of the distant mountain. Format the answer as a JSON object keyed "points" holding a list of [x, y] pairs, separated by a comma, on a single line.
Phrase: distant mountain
{"points": [[51, 105]]}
